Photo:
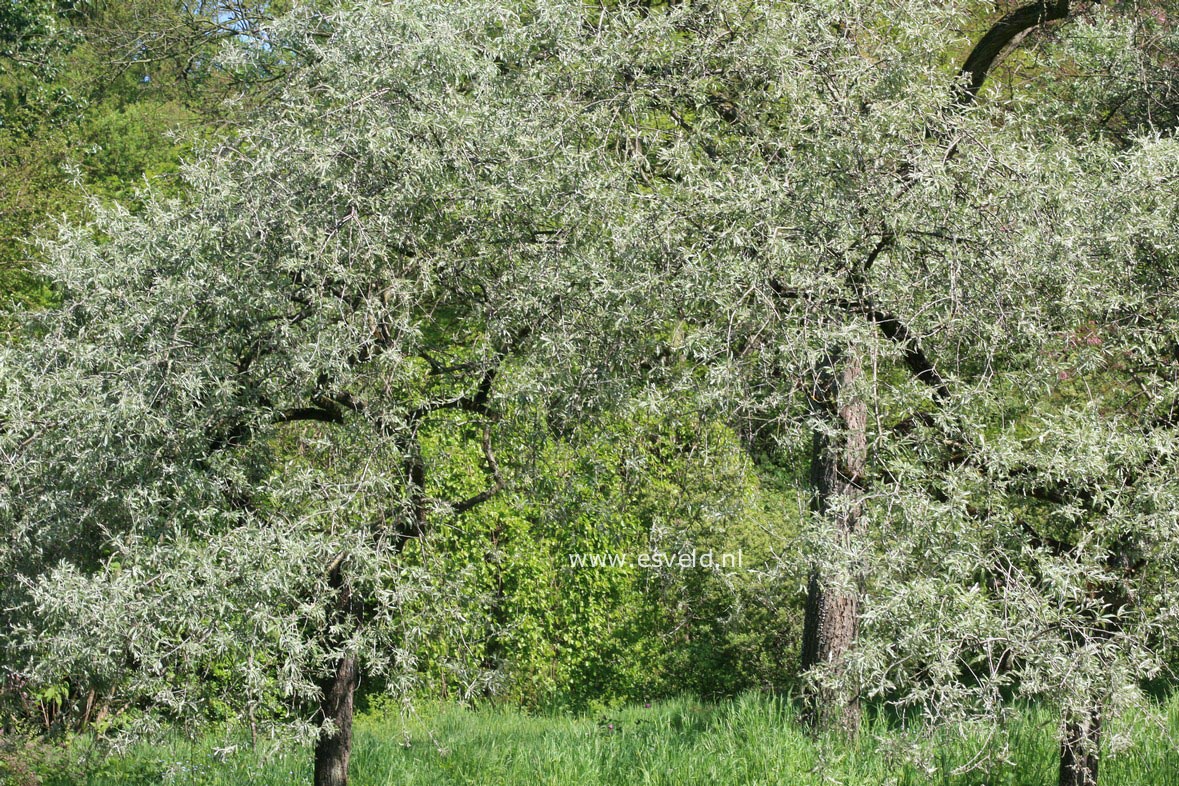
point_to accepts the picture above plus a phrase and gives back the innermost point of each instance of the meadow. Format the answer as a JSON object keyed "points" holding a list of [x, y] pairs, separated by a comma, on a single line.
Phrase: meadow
{"points": [[753, 740]]}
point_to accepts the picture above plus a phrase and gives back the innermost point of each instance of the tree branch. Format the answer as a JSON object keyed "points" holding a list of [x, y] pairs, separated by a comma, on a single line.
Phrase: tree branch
{"points": [[475, 402], [893, 329], [317, 414], [493, 467], [1000, 36], [918, 363]]}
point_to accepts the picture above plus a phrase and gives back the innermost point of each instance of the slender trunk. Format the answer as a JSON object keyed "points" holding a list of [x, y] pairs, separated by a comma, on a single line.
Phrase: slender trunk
{"points": [[332, 751], [337, 691], [1080, 751], [832, 607], [1080, 745]]}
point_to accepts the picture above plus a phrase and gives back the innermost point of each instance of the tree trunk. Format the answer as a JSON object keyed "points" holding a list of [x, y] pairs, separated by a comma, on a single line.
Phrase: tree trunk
{"points": [[1080, 747], [332, 751], [1080, 751], [837, 468]]}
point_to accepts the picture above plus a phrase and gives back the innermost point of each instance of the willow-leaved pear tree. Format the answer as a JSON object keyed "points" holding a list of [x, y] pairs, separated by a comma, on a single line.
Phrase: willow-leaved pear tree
{"points": [[872, 250], [211, 449], [973, 261]]}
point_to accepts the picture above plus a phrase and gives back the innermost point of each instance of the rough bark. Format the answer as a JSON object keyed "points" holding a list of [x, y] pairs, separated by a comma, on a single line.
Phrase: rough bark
{"points": [[837, 467], [338, 689], [332, 751], [1080, 751]]}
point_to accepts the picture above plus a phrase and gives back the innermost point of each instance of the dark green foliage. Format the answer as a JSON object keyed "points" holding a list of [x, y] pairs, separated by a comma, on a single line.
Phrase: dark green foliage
{"points": [[545, 628], [96, 98]]}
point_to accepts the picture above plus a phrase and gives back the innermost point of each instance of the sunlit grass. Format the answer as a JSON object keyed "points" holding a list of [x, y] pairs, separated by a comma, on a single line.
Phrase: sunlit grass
{"points": [[751, 740]]}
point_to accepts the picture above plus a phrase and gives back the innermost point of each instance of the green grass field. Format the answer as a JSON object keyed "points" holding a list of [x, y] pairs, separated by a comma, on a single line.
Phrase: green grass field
{"points": [[751, 740]]}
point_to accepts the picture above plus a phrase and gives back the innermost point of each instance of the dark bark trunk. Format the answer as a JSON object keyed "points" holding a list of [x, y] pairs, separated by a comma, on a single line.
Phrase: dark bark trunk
{"points": [[1080, 747], [332, 751], [1002, 35], [837, 469], [1080, 751], [338, 690]]}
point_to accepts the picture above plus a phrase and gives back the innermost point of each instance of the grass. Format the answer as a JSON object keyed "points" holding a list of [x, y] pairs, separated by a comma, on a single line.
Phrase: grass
{"points": [[749, 741]]}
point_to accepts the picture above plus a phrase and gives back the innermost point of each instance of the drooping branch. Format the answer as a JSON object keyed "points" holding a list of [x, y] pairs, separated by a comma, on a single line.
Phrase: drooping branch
{"points": [[475, 401], [323, 408], [975, 70], [918, 363], [316, 414]]}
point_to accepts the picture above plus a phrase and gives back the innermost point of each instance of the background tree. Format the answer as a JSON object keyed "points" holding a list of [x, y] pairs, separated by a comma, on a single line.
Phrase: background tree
{"points": [[97, 96], [867, 204]]}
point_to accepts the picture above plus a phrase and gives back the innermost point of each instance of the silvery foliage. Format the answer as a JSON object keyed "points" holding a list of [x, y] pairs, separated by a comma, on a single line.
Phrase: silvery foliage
{"points": [[224, 405], [812, 179], [1021, 517], [570, 191]]}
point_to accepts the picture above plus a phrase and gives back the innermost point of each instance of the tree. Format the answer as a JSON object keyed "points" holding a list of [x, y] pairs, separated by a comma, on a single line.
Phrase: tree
{"points": [[837, 462], [835, 204], [212, 448]]}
